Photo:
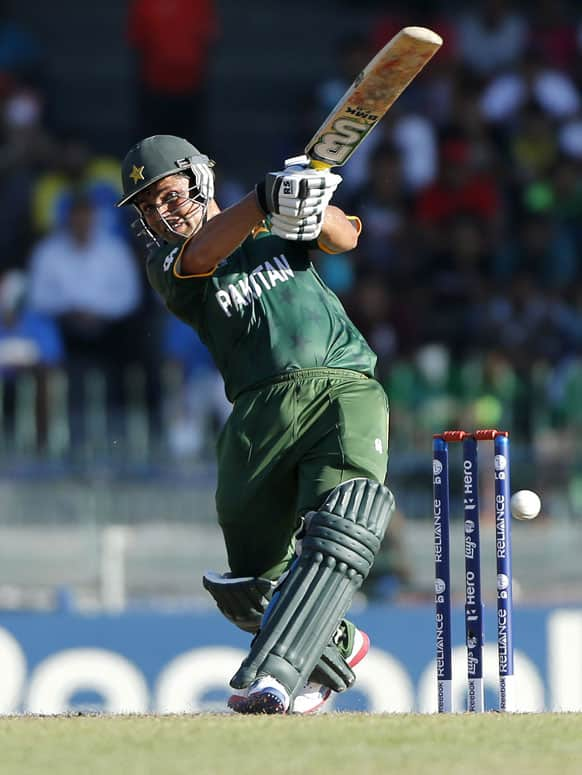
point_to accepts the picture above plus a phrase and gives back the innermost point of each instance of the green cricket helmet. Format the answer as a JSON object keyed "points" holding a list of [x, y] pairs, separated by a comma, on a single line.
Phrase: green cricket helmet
{"points": [[156, 157]]}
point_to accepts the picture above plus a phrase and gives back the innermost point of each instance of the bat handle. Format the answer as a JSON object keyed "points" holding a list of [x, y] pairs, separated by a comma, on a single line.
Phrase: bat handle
{"points": [[320, 165]]}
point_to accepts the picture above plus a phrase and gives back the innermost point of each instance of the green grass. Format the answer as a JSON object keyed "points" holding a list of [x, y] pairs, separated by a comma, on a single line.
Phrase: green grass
{"points": [[358, 744]]}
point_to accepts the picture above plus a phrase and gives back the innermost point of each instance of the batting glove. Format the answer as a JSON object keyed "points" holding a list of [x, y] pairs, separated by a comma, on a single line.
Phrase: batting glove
{"points": [[296, 228], [298, 190]]}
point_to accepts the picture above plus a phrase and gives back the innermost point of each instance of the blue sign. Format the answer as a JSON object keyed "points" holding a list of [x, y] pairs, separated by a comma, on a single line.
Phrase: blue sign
{"points": [[176, 663]]}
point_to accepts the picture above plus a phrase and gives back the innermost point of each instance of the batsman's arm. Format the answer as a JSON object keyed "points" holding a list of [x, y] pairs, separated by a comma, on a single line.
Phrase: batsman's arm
{"points": [[340, 232], [223, 232]]}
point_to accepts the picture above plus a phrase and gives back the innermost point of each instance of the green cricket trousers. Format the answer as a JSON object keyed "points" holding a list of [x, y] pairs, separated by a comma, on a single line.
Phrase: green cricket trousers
{"points": [[286, 445]]}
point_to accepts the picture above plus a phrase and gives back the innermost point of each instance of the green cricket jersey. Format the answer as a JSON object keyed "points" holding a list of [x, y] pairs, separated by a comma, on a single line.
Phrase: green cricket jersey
{"points": [[263, 312]]}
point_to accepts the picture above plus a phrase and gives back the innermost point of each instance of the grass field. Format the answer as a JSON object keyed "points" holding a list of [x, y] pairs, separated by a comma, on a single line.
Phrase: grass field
{"points": [[212, 744]]}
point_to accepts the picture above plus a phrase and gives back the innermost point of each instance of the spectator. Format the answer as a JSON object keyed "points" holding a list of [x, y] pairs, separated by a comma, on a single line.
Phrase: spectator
{"points": [[570, 138], [87, 281], [566, 198], [553, 34], [465, 121], [383, 208], [541, 248], [463, 188], [518, 319], [198, 407], [73, 166], [416, 139], [492, 38], [21, 56], [30, 344], [173, 41], [458, 273], [533, 145], [413, 136], [439, 405], [533, 81], [24, 150]]}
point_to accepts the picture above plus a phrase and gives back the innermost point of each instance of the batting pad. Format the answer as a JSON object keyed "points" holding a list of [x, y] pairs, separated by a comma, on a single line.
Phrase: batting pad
{"points": [[340, 543], [244, 600]]}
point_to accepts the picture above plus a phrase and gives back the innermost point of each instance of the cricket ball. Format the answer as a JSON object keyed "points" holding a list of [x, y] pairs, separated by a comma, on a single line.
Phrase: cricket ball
{"points": [[525, 504]]}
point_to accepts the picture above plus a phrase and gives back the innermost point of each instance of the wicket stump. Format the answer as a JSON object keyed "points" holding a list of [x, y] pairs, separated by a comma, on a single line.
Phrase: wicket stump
{"points": [[474, 610]]}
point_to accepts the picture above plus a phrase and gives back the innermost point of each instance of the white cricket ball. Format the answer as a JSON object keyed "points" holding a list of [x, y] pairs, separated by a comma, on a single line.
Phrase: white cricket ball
{"points": [[525, 504]]}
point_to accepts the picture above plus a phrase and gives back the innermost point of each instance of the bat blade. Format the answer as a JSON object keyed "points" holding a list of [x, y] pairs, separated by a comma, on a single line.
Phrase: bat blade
{"points": [[373, 92]]}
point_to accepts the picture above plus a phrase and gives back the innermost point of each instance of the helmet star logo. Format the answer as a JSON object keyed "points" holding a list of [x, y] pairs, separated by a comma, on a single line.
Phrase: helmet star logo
{"points": [[136, 174]]}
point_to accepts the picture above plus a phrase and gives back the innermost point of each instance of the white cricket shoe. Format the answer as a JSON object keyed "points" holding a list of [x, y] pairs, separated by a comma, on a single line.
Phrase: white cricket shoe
{"points": [[267, 695]]}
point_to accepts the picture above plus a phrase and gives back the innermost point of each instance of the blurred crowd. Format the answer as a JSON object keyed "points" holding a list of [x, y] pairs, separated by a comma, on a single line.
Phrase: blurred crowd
{"points": [[467, 281], [468, 278], [73, 295]]}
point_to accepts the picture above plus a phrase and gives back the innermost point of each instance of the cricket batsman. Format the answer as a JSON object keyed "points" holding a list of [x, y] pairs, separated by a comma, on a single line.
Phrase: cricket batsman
{"points": [[302, 458]]}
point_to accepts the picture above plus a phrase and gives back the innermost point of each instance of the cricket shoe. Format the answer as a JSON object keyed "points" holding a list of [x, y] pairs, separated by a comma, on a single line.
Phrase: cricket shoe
{"points": [[267, 695]]}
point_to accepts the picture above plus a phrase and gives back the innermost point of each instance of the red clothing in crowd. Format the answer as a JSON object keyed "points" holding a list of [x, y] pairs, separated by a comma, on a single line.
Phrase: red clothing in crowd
{"points": [[459, 190], [478, 196], [173, 38]]}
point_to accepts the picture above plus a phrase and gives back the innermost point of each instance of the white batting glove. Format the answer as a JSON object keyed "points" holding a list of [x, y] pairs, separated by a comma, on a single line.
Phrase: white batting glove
{"points": [[296, 228], [331, 179], [298, 190], [298, 161]]}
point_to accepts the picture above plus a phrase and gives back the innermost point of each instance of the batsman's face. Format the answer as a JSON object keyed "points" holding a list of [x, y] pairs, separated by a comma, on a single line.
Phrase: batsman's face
{"points": [[169, 210]]}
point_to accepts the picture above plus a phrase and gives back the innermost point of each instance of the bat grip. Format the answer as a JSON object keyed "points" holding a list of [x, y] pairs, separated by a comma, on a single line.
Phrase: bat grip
{"points": [[320, 165]]}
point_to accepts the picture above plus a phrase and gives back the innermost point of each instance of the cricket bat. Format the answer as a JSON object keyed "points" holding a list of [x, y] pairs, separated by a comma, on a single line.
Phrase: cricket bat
{"points": [[373, 92]]}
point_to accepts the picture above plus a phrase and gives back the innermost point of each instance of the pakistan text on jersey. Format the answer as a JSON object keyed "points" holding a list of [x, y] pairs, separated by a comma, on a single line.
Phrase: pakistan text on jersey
{"points": [[263, 278]]}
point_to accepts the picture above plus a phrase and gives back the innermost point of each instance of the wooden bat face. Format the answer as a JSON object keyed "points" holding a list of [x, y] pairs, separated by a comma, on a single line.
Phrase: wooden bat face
{"points": [[373, 92]]}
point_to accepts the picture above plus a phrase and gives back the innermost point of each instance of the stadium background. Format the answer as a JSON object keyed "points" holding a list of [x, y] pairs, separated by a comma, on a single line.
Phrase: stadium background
{"points": [[468, 281]]}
